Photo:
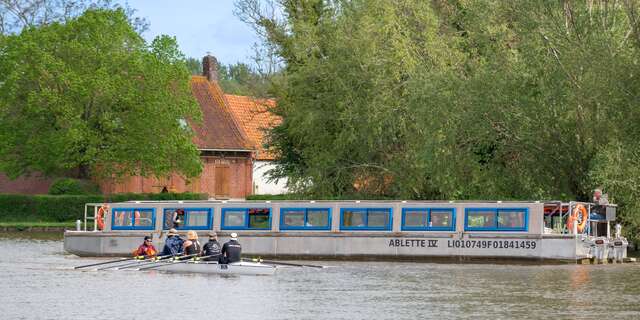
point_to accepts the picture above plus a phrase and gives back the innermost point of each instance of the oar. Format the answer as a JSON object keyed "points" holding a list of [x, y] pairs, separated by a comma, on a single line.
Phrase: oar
{"points": [[195, 259], [180, 259], [101, 263], [285, 263], [137, 263]]}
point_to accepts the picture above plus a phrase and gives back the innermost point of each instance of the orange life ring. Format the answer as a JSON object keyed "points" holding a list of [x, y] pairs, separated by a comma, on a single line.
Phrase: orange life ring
{"points": [[578, 210], [100, 216]]}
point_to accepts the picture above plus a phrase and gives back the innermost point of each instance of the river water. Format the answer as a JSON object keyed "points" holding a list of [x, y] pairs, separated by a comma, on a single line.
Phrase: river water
{"points": [[37, 281]]}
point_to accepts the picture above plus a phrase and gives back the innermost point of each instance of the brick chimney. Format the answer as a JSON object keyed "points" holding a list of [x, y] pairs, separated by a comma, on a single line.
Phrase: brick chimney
{"points": [[210, 67]]}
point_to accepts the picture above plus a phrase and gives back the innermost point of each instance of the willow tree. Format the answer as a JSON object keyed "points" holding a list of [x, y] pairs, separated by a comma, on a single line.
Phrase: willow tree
{"points": [[90, 96], [347, 125]]}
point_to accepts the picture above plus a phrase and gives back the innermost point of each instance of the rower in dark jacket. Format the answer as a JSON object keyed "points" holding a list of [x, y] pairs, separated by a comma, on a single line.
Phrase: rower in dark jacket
{"points": [[231, 250], [173, 244], [212, 248]]}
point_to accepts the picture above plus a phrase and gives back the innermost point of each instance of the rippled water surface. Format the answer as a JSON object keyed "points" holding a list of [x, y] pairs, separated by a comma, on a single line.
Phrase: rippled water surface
{"points": [[37, 281]]}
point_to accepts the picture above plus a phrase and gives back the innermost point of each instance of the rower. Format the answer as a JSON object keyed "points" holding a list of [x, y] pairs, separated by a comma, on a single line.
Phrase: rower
{"points": [[192, 245], [146, 249], [173, 244], [212, 248], [231, 250]]}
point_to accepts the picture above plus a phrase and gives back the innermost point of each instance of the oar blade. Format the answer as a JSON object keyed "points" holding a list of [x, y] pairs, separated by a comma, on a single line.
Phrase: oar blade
{"points": [[285, 263]]}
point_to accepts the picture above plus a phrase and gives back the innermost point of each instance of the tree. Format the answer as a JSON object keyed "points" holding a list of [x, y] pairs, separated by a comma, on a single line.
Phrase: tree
{"points": [[456, 99], [348, 127], [16, 15], [90, 96], [239, 78], [194, 65]]}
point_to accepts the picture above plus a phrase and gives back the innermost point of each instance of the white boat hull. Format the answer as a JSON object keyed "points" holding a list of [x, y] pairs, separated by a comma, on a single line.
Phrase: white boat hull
{"points": [[206, 267]]}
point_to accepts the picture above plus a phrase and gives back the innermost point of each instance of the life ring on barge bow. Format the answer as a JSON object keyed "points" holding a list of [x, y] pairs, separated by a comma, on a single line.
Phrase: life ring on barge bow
{"points": [[578, 210], [104, 209]]}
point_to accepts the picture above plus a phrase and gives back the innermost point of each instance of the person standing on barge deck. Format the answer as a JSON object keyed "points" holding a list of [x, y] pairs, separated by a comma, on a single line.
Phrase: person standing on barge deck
{"points": [[212, 248], [173, 244], [601, 201], [146, 249], [178, 218], [231, 250], [192, 245]]}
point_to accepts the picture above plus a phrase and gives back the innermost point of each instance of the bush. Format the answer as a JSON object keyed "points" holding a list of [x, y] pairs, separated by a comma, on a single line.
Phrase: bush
{"points": [[294, 196], [73, 186], [275, 197], [60, 208]]}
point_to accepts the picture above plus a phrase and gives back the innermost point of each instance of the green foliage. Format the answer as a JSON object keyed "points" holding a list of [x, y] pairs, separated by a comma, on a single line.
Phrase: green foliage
{"points": [[275, 197], [194, 65], [294, 196], [70, 186], [90, 95], [120, 197], [239, 79], [16, 15], [456, 99], [49, 208]]}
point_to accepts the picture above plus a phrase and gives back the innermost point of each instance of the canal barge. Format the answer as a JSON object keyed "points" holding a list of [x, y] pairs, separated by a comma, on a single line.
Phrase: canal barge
{"points": [[374, 230]]}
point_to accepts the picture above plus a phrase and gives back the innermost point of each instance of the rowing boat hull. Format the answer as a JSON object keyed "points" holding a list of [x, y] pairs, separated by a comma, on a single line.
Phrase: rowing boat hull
{"points": [[248, 268]]}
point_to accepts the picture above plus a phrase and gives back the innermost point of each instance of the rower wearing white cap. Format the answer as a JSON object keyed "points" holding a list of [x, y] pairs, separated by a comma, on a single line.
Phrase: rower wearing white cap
{"points": [[231, 250]]}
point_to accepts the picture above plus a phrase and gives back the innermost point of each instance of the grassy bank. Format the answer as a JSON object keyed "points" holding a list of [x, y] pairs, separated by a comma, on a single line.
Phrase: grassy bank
{"points": [[37, 224], [35, 227]]}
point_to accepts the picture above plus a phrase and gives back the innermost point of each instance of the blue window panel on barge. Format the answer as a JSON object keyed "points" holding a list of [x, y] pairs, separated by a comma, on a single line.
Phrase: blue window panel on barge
{"points": [[496, 219], [194, 218], [246, 219], [374, 219], [133, 219], [428, 219], [305, 219]]}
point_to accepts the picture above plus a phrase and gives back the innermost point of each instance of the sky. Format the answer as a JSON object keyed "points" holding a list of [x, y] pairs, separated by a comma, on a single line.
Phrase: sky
{"points": [[200, 26]]}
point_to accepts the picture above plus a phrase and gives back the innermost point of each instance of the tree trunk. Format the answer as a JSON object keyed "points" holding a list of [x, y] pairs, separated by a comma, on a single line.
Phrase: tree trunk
{"points": [[83, 172]]}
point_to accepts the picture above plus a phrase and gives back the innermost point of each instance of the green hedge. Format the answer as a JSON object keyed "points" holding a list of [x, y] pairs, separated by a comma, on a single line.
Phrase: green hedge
{"points": [[72, 186], [275, 197], [293, 196], [49, 208]]}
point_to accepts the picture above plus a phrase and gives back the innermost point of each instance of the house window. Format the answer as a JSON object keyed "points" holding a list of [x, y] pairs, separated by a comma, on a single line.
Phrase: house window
{"points": [[496, 219], [133, 219], [246, 218], [365, 219], [305, 219], [428, 219], [188, 218]]}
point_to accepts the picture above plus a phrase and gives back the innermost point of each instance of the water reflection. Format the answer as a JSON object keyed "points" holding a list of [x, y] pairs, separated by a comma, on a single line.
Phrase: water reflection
{"points": [[579, 277], [42, 285]]}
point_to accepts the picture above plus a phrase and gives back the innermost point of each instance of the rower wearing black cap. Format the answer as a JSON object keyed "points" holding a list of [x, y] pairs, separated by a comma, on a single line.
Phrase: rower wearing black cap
{"points": [[212, 248]]}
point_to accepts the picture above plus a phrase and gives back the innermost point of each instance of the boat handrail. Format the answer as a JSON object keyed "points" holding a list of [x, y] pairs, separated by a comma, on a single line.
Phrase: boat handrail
{"points": [[93, 217], [333, 201]]}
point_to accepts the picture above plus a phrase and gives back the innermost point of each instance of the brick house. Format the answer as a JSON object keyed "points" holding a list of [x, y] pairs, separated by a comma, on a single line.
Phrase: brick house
{"points": [[254, 117], [225, 150], [229, 140]]}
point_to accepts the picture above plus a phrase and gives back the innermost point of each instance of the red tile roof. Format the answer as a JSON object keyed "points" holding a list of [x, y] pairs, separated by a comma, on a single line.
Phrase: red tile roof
{"points": [[219, 128], [254, 117]]}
